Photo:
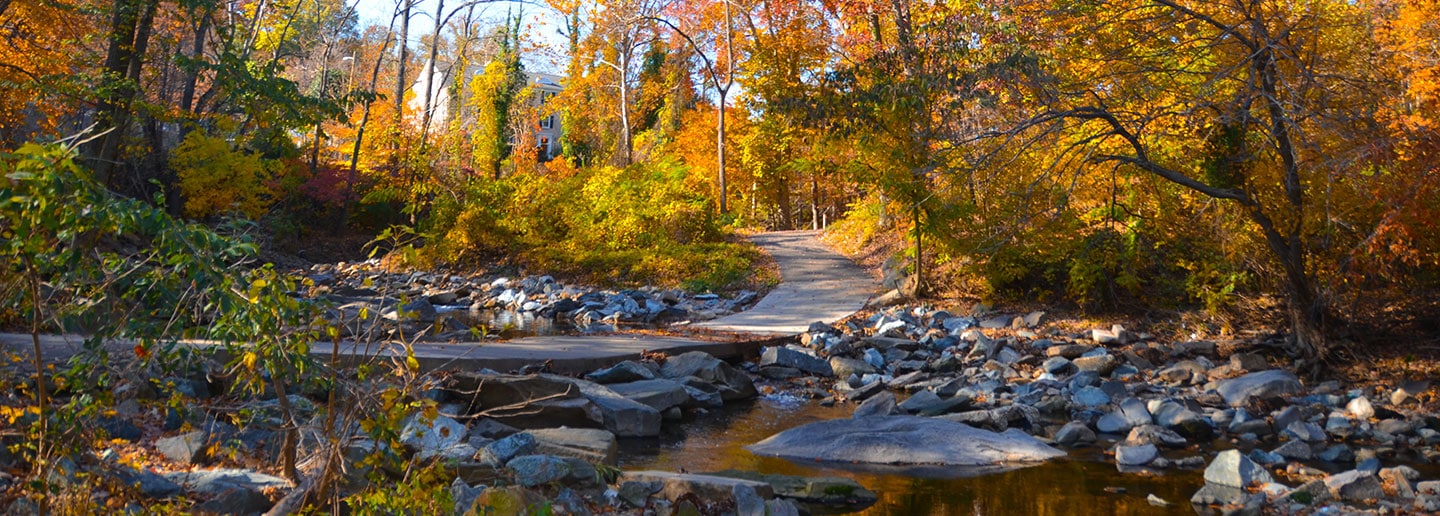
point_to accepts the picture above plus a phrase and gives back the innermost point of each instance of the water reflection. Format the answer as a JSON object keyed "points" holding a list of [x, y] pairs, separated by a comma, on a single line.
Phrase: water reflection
{"points": [[1075, 486]]}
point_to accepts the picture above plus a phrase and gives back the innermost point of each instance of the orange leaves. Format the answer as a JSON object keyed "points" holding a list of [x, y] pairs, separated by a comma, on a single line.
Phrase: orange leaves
{"points": [[42, 46]]}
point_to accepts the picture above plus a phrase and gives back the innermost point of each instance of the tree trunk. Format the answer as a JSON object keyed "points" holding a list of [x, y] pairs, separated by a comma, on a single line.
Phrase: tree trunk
{"points": [[129, 34]]}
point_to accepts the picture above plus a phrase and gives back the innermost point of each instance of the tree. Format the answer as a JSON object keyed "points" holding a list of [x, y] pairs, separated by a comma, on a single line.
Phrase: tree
{"points": [[1271, 91]]}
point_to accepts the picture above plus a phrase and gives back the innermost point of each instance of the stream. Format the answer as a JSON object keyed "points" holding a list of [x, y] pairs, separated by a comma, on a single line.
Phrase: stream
{"points": [[1077, 485]]}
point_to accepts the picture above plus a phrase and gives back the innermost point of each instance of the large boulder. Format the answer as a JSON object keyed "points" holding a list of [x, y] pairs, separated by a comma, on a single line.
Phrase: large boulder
{"points": [[527, 401], [1263, 384], [591, 444], [622, 416], [903, 440], [660, 394], [733, 383]]}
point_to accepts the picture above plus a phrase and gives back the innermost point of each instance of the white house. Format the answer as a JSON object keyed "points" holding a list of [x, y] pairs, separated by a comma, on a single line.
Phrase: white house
{"points": [[546, 86]]}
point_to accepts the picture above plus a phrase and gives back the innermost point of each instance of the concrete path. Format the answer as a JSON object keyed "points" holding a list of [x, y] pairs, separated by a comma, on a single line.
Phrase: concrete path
{"points": [[817, 284]]}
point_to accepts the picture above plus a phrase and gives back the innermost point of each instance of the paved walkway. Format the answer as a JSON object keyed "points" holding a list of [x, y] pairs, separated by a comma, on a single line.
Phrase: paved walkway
{"points": [[817, 284]]}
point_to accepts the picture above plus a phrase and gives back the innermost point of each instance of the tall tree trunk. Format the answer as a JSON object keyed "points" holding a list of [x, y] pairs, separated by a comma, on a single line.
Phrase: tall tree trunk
{"points": [[112, 114], [353, 174], [426, 108], [197, 52], [814, 202]]}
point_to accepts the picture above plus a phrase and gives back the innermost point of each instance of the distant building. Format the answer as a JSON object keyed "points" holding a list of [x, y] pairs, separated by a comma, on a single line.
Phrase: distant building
{"points": [[547, 133]]}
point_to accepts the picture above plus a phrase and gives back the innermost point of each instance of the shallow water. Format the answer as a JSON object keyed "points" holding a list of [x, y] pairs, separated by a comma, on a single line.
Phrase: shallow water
{"points": [[1069, 486]]}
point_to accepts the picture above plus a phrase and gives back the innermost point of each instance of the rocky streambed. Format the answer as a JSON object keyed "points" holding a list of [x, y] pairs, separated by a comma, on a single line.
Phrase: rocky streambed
{"points": [[371, 301]]}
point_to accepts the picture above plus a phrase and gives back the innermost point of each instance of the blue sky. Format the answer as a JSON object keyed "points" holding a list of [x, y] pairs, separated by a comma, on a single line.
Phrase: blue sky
{"points": [[540, 21]]}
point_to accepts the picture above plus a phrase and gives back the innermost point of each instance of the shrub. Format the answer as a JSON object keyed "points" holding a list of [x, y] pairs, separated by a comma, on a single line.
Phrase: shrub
{"points": [[215, 179]]}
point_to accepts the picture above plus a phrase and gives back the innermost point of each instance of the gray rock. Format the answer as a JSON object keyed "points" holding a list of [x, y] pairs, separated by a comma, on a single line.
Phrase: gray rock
{"points": [[882, 404], [747, 501], [1296, 450], [902, 440], [1408, 391], [539, 401], [927, 403], [464, 496], [1265, 458], [1429, 487], [500, 452], [149, 483], [660, 394], [1248, 362], [1155, 434], [1074, 433], [1262, 384], [707, 487], [637, 493], [734, 384], [1232, 469], [1305, 431], [1058, 366], [1112, 423], [620, 415], [1178, 417], [1214, 494], [534, 470], [787, 357], [244, 487], [431, 438], [1090, 397], [1337, 453], [1102, 364], [1136, 455], [1355, 486], [627, 371], [590, 444], [186, 449], [844, 367]]}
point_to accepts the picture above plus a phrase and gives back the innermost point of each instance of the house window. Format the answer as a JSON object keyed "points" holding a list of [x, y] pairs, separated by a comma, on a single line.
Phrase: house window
{"points": [[547, 122]]}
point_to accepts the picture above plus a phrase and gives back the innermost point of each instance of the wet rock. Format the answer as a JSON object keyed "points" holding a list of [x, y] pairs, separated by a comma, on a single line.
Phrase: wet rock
{"points": [[787, 357], [1136, 455], [899, 440], [1265, 458], [1074, 433], [747, 501], [1262, 384], [1354, 486], [534, 470], [832, 493], [627, 371], [707, 487], [590, 444], [1232, 469]]}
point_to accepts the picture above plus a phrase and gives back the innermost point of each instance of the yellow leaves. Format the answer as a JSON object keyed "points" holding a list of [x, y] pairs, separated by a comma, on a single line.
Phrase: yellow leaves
{"points": [[11, 415], [249, 360], [215, 179]]}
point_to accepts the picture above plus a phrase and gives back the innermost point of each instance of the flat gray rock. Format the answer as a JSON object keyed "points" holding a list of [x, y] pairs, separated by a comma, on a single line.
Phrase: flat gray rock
{"points": [[660, 394], [903, 441], [1263, 384]]}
